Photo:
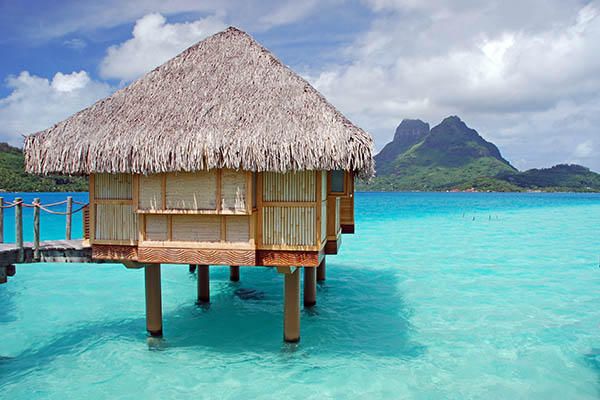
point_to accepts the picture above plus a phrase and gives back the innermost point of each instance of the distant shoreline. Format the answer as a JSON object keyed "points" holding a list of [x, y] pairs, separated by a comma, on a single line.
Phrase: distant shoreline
{"points": [[476, 191]]}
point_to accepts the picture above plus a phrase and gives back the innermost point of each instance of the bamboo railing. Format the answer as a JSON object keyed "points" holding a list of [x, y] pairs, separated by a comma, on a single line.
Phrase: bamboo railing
{"points": [[18, 204]]}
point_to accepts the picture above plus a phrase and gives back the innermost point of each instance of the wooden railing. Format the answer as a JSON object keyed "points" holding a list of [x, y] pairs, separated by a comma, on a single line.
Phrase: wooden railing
{"points": [[18, 204]]}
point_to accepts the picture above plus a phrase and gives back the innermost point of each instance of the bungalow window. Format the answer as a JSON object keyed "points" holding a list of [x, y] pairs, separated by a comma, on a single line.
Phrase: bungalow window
{"points": [[337, 181]]}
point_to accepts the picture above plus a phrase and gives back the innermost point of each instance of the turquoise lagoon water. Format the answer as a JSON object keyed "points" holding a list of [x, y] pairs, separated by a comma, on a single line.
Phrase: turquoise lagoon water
{"points": [[437, 295]]}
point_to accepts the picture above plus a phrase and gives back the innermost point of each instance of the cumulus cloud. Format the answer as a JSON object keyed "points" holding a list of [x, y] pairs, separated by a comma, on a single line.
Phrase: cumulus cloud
{"points": [[524, 75], [37, 103], [154, 41]]}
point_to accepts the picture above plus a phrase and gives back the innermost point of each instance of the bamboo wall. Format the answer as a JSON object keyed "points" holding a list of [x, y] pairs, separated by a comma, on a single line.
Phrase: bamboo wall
{"points": [[295, 211], [237, 229], [233, 191], [289, 187], [191, 190], [216, 191], [196, 228], [288, 210], [188, 209], [116, 222], [156, 227], [150, 192], [292, 226], [111, 198], [113, 186]]}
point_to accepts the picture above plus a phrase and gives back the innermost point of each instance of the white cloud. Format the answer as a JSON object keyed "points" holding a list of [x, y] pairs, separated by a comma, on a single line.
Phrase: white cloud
{"points": [[75, 44], [287, 12], [526, 80], [70, 82], [37, 103], [86, 16], [584, 149], [154, 41]]}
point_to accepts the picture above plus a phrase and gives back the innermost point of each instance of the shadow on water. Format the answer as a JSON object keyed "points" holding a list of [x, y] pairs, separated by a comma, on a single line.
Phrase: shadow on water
{"points": [[592, 360], [359, 313]]}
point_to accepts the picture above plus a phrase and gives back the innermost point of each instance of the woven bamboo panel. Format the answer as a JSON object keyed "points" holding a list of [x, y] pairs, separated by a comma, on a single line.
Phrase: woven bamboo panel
{"points": [[116, 222], [191, 190], [233, 190], [237, 228], [294, 226], [196, 228], [150, 197], [156, 227], [113, 186], [289, 186]]}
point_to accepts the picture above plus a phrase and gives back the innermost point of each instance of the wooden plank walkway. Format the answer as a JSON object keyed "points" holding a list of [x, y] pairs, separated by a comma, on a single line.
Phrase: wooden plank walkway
{"points": [[51, 251], [62, 251]]}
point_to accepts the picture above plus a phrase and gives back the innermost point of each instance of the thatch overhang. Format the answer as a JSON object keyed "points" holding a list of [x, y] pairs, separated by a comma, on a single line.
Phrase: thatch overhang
{"points": [[225, 102]]}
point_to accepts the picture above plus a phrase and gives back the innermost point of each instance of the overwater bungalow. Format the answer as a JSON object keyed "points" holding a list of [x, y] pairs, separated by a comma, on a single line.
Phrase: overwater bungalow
{"points": [[220, 156]]}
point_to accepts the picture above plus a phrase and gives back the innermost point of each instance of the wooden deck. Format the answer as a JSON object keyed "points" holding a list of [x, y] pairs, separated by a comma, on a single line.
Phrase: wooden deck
{"points": [[51, 251]]}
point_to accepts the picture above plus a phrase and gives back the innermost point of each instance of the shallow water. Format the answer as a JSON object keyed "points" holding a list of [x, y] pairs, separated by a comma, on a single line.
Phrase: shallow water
{"points": [[437, 295]]}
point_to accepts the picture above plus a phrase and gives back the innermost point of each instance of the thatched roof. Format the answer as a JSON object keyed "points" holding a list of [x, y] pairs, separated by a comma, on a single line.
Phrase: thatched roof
{"points": [[226, 102]]}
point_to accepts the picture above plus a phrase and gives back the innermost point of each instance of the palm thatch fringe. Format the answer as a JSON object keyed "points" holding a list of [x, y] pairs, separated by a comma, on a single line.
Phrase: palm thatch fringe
{"points": [[226, 102]]}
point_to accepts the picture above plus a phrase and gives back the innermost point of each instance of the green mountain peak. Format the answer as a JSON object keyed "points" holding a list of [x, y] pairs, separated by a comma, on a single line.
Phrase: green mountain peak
{"points": [[453, 156]]}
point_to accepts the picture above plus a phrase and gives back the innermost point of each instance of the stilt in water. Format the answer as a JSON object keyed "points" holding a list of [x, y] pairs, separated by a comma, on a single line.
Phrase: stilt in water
{"points": [[153, 300], [291, 306], [203, 284], [321, 271], [310, 286], [192, 268], [234, 273]]}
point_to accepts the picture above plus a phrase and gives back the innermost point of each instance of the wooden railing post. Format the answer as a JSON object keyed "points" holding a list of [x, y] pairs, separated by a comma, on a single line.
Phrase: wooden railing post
{"points": [[1, 220], [69, 209], [19, 229], [36, 230]]}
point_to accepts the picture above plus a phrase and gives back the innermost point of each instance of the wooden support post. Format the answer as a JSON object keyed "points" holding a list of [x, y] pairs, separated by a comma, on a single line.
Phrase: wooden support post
{"points": [[310, 286], [153, 300], [203, 284], [321, 271], [3, 274], [1, 220], [234, 273], [291, 306], [19, 229], [36, 230], [192, 268], [69, 209], [11, 270]]}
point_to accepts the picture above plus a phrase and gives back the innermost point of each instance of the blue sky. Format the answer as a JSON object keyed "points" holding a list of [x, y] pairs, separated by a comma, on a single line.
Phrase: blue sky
{"points": [[524, 74]]}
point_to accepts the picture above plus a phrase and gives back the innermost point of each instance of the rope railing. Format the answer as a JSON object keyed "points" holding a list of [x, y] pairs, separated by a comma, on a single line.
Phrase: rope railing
{"points": [[37, 206]]}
